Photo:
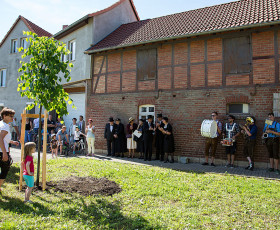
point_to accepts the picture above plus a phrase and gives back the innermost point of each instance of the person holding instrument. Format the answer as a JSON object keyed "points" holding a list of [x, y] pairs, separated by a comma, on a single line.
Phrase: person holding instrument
{"points": [[249, 131], [272, 143]]}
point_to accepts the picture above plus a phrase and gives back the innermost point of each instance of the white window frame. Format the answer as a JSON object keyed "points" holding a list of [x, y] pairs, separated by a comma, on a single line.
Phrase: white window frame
{"points": [[14, 46], [276, 104], [145, 114], [3, 77], [72, 48], [245, 109], [23, 43]]}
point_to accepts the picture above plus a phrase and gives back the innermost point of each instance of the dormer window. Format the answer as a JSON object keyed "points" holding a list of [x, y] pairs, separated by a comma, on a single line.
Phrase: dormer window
{"points": [[14, 46]]}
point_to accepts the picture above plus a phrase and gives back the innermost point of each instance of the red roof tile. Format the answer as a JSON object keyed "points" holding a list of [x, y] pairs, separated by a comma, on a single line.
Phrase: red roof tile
{"points": [[31, 26], [210, 19]]}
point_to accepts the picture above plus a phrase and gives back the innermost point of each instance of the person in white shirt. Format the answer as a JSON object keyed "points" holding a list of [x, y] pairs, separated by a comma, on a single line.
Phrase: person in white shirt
{"points": [[72, 130], [5, 139]]}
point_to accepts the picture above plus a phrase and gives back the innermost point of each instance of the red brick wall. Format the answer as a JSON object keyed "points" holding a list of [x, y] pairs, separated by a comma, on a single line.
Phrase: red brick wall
{"points": [[187, 104], [186, 112]]}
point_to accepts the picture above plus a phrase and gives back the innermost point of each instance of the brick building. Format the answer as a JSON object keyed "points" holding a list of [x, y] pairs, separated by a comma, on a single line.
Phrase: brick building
{"points": [[223, 58]]}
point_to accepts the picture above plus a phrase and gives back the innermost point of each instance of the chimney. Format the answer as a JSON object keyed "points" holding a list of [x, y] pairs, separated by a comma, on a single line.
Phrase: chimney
{"points": [[64, 26]]}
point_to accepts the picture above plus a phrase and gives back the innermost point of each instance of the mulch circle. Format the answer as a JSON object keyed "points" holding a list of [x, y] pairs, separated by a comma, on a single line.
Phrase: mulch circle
{"points": [[85, 186]]}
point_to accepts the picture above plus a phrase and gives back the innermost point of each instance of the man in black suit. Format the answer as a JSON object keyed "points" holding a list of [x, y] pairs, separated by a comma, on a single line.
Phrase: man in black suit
{"points": [[148, 136], [110, 130], [119, 136], [159, 139]]}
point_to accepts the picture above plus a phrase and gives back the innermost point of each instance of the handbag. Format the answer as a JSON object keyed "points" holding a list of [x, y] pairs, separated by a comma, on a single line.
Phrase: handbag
{"points": [[135, 138]]}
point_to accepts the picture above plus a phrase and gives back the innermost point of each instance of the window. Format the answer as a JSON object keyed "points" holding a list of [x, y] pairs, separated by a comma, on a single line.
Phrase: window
{"points": [[237, 108], [3, 73], [14, 47], [23, 43], [146, 64], [276, 104], [237, 55], [31, 111], [145, 110], [72, 48]]}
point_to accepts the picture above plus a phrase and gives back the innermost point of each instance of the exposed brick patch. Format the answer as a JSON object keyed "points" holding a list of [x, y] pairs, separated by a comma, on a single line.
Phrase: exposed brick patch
{"points": [[237, 99], [114, 62], [101, 84], [146, 85], [128, 81], [237, 80], [181, 53], [129, 60], [197, 51], [180, 77], [198, 75], [164, 55], [264, 71], [98, 63], [263, 43], [214, 49], [113, 83], [215, 74], [164, 78]]}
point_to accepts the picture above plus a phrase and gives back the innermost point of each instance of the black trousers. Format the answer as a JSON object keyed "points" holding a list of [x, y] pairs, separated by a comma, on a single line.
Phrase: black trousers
{"points": [[148, 146], [5, 166], [159, 149], [111, 147]]}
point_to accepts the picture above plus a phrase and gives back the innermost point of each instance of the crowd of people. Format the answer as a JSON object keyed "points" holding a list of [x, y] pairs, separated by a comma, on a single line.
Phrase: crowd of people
{"points": [[231, 130], [139, 138]]}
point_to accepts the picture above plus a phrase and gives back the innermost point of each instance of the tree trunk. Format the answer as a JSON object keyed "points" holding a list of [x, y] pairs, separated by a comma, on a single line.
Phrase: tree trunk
{"points": [[39, 146]]}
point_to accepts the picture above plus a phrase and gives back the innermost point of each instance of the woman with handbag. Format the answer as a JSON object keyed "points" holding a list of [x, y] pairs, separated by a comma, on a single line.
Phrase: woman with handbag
{"points": [[140, 141], [131, 144]]}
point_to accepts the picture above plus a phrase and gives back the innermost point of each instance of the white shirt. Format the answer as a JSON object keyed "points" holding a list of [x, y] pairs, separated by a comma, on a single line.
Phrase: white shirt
{"points": [[77, 135], [36, 123], [111, 128], [73, 129], [4, 126]]}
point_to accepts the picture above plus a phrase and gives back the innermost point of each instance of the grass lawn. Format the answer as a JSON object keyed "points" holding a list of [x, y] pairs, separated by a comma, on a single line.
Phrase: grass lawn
{"points": [[152, 198]]}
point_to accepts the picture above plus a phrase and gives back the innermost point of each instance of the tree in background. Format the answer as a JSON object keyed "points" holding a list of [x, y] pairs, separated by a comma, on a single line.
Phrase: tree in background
{"points": [[42, 71]]}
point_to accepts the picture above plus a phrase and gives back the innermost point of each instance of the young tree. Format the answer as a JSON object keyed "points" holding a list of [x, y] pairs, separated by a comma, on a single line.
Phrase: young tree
{"points": [[42, 71]]}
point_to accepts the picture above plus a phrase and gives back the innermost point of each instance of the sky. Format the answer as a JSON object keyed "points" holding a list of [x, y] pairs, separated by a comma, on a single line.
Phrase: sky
{"points": [[52, 14]]}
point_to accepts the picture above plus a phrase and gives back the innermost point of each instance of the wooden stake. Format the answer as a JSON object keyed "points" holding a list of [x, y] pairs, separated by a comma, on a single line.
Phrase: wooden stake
{"points": [[22, 137], [44, 160]]}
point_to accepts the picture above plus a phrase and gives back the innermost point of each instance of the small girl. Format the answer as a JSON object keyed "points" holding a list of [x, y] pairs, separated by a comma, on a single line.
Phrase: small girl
{"points": [[77, 135], [28, 166], [54, 145]]}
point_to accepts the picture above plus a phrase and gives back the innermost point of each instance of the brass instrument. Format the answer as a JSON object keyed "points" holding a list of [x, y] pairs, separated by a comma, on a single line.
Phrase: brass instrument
{"points": [[265, 134], [249, 121]]}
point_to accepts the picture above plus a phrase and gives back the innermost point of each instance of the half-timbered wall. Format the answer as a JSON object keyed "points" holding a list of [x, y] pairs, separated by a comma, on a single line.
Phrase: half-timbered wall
{"points": [[191, 82]]}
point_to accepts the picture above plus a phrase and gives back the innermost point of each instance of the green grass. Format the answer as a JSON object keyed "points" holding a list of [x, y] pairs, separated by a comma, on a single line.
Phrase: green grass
{"points": [[152, 198]]}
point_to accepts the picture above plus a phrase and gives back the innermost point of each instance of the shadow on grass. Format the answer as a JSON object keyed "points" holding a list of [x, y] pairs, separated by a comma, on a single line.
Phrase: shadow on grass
{"points": [[100, 212], [13, 175], [17, 205]]}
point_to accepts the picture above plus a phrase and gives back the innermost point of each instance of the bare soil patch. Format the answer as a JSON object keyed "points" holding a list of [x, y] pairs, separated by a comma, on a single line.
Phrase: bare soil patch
{"points": [[85, 186]]}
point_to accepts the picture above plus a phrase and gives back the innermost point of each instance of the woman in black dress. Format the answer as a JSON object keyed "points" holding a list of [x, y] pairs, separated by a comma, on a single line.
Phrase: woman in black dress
{"points": [[168, 143], [140, 141]]}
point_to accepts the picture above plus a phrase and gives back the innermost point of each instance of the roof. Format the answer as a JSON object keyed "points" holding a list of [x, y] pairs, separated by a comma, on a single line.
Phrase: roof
{"points": [[218, 18], [31, 26], [84, 20]]}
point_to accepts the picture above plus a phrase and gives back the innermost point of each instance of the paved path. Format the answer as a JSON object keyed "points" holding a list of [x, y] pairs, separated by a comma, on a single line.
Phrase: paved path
{"points": [[190, 167]]}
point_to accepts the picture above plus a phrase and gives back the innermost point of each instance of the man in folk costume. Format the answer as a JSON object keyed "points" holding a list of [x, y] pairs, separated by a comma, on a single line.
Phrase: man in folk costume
{"points": [[231, 131], [148, 136], [159, 139], [272, 143], [109, 136], [211, 143]]}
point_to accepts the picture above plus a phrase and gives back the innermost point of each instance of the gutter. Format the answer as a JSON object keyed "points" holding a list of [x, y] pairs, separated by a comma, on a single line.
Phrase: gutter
{"points": [[185, 36]]}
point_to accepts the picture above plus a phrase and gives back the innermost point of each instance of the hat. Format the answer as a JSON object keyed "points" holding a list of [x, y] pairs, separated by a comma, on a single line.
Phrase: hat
{"points": [[149, 117], [130, 119], [159, 115], [165, 118], [111, 119], [90, 120], [77, 126], [231, 116], [53, 135], [143, 120], [118, 119]]}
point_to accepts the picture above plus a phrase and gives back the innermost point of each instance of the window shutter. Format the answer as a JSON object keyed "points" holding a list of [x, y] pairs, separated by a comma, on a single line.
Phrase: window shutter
{"points": [[4, 73], [74, 51]]}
